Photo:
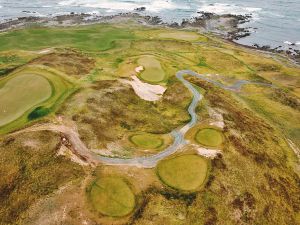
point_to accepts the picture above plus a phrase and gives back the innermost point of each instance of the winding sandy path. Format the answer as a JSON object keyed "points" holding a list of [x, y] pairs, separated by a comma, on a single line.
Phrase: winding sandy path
{"points": [[80, 149]]}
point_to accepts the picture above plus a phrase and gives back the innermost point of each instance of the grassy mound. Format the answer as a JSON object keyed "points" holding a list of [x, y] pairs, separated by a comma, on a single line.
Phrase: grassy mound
{"points": [[209, 137], [30, 93], [153, 71], [111, 196], [186, 173], [147, 140]]}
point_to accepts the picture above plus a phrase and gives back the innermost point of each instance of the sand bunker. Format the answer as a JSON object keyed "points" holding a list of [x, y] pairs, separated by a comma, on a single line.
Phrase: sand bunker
{"points": [[145, 91], [217, 118], [139, 69], [206, 152]]}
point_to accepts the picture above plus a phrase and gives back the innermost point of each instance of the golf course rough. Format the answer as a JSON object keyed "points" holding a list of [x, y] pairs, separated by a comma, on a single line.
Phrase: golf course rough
{"points": [[153, 73], [185, 173], [209, 137], [146, 140], [111, 196]]}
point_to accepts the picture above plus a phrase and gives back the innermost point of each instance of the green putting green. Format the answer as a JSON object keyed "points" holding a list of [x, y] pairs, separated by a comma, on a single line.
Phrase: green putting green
{"points": [[209, 137], [20, 94], [150, 141], [186, 173], [111, 196], [153, 71]]}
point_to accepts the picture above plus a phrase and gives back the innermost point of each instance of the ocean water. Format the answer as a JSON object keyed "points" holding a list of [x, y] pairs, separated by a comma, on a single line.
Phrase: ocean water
{"points": [[274, 22]]}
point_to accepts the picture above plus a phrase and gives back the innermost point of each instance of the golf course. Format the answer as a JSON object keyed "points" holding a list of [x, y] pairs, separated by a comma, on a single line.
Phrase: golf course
{"points": [[119, 122]]}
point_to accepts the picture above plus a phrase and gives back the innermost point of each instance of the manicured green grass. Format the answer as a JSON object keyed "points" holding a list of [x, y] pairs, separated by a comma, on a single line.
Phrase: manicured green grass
{"points": [[91, 38], [149, 141], [29, 89], [186, 173], [209, 137], [111, 196], [21, 93], [153, 71]]}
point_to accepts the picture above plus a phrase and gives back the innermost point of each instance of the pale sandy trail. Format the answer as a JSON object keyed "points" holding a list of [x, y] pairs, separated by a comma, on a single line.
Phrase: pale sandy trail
{"points": [[80, 149]]}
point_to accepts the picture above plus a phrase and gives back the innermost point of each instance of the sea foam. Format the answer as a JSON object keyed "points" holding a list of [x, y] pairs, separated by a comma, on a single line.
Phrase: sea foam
{"points": [[221, 8], [153, 6]]}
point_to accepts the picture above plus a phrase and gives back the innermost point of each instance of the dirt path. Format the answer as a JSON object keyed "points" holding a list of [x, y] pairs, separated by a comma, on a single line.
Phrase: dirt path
{"points": [[80, 149]]}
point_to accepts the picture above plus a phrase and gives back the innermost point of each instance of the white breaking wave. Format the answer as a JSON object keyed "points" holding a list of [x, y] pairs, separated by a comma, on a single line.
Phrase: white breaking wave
{"points": [[1, 6], [298, 43], [154, 6], [221, 8]]}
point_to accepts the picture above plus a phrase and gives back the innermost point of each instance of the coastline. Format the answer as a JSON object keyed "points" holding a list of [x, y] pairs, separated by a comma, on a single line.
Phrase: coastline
{"points": [[226, 26]]}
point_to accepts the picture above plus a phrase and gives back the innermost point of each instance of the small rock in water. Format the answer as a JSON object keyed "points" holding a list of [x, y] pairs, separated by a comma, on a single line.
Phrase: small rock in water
{"points": [[140, 9]]}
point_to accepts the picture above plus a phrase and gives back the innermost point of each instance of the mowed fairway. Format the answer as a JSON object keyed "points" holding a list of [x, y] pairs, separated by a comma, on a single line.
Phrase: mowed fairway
{"points": [[209, 137], [153, 71], [111, 196], [100, 37], [21, 93], [186, 173], [149, 141]]}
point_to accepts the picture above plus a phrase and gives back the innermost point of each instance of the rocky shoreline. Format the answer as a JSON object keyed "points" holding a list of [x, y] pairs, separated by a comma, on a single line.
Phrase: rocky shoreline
{"points": [[226, 26]]}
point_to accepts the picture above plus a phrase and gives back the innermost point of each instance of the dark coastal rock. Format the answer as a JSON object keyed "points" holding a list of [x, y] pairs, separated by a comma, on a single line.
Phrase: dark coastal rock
{"points": [[226, 25], [174, 25], [153, 20], [140, 9]]}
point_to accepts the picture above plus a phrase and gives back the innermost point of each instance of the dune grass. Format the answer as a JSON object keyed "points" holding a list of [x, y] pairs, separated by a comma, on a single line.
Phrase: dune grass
{"points": [[185, 173], [209, 137], [111, 196], [153, 73], [146, 140]]}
